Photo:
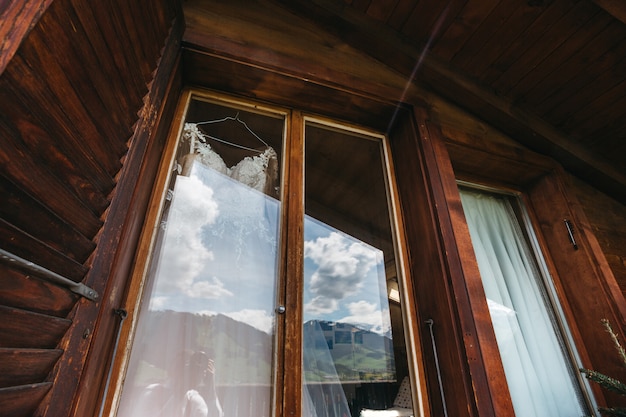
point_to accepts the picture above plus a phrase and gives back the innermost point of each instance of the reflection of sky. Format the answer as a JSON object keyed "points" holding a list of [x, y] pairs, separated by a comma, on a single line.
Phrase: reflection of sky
{"points": [[219, 250], [219, 256], [344, 279]]}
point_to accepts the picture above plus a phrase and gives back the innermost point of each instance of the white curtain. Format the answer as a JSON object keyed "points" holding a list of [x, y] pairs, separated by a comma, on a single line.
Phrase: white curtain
{"points": [[539, 376]]}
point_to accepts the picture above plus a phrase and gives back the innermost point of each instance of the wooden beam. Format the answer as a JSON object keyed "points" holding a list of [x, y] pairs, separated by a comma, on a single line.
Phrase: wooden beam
{"points": [[17, 18], [616, 8], [383, 44]]}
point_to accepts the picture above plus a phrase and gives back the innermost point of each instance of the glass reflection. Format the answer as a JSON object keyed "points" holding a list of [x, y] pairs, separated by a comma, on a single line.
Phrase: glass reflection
{"points": [[354, 356], [204, 336]]}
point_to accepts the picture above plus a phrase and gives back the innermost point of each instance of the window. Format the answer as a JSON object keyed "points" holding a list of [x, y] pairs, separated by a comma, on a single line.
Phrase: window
{"points": [[524, 311], [274, 244]]}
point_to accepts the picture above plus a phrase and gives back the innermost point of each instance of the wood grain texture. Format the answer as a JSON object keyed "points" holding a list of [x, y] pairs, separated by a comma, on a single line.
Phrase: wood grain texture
{"points": [[35, 364]]}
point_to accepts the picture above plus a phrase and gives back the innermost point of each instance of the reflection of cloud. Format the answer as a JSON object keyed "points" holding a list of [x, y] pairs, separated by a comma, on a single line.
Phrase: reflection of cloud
{"points": [[206, 289], [255, 318], [342, 267], [183, 256], [364, 313], [157, 303]]}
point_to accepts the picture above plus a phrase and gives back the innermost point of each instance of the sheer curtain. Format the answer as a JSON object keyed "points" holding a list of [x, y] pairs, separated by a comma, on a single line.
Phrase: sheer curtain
{"points": [[539, 376]]}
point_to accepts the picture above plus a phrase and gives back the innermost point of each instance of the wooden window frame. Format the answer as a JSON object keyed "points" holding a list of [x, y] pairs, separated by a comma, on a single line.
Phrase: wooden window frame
{"points": [[585, 285]]}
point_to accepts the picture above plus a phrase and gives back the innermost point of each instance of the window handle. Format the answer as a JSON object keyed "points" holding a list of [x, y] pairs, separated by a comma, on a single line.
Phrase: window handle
{"points": [[430, 323], [570, 233]]}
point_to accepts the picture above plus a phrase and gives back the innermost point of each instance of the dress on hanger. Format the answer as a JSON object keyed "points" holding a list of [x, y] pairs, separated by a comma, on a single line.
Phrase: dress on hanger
{"points": [[259, 172]]}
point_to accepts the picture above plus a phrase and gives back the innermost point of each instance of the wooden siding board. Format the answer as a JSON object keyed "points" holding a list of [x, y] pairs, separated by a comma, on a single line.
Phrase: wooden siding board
{"points": [[558, 33], [113, 35], [381, 10], [19, 167], [421, 23], [481, 36], [79, 171], [400, 14], [25, 329], [84, 23], [585, 89], [22, 401], [585, 61], [26, 366], [20, 209], [552, 62], [26, 292], [43, 69], [27, 247], [466, 22], [584, 122], [78, 62], [532, 37], [503, 40]]}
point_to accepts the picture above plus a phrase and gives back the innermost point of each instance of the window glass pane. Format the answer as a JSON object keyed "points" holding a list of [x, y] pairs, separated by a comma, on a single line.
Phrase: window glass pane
{"points": [[204, 336], [354, 351], [538, 371]]}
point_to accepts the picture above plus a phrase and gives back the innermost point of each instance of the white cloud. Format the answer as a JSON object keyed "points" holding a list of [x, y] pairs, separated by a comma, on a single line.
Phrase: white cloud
{"points": [[364, 313], [208, 289], [342, 266], [259, 319], [183, 255]]}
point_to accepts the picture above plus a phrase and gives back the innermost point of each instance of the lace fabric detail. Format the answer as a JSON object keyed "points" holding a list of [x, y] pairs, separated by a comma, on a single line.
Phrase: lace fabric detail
{"points": [[259, 172]]}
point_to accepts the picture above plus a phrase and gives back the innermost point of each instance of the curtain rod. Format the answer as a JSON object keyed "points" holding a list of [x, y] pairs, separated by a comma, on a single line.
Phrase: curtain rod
{"points": [[46, 274]]}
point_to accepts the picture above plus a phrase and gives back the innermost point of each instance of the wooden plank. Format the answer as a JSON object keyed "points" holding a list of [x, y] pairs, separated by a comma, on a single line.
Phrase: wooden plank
{"points": [[427, 21], [553, 61], [115, 36], [586, 57], [466, 23], [502, 39], [25, 329], [20, 209], [536, 36], [586, 88], [216, 73], [22, 401], [400, 14], [17, 18], [26, 366], [78, 61], [473, 47], [27, 247], [579, 16], [54, 152], [19, 167], [117, 246], [27, 292], [40, 71], [381, 10], [83, 22]]}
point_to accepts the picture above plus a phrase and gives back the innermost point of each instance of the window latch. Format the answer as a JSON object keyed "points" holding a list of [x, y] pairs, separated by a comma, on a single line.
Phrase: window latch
{"points": [[570, 233]]}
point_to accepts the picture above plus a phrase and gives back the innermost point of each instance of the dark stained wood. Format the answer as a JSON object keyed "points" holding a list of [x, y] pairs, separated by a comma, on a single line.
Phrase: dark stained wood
{"points": [[289, 401], [18, 290], [212, 72], [29, 215], [24, 329], [18, 18], [25, 246], [19, 166], [518, 121], [117, 245], [22, 401], [34, 365], [446, 290]]}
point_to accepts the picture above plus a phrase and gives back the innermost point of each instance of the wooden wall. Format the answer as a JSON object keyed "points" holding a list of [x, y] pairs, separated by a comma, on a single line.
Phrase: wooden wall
{"points": [[608, 222], [78, 93]]}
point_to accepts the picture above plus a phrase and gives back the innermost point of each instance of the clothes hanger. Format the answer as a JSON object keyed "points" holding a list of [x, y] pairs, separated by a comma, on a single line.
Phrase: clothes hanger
{"points": [[237, 119]]}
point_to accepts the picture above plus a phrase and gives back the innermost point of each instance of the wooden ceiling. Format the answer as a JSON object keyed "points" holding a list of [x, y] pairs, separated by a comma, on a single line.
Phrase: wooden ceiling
{"points": [[549, 73]]}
